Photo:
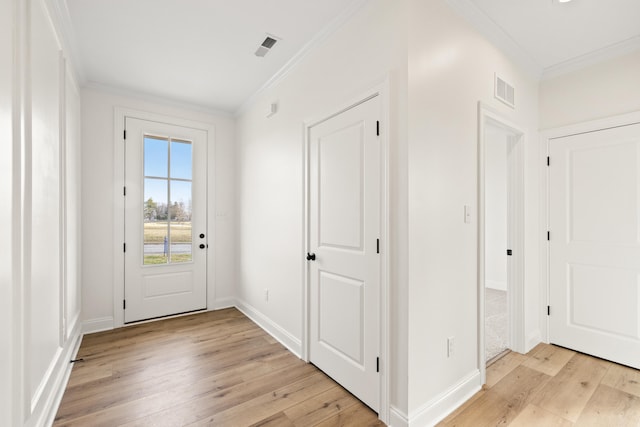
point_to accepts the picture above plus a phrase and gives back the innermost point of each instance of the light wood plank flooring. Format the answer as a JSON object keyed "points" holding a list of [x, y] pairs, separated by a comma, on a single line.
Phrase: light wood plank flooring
{"points": [[220, 369], [215, 368], [553, 386]]}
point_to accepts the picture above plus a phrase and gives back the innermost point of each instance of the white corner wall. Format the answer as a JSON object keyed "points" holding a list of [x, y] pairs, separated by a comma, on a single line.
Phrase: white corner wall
{"points": [[451, 69], [602, 90], [365, 50], [7, 185], [40, 119], [98, 109]]}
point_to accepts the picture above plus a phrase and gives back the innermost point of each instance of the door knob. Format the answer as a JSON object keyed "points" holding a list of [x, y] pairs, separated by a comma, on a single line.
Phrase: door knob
{"points": [[202, 235], [201, 245], [311, 257]]}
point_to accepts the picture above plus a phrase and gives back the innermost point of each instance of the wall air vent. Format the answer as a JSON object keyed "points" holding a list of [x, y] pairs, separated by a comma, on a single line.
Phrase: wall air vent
{"points": [[504, 92], [266, 46]]}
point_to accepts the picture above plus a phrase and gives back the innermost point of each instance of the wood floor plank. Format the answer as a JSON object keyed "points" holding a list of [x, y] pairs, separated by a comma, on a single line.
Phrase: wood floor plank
{"points": [[533, 415], [321, 407], [353, 416], [548, 359], [623, 378], [489, 410], [520, 387], [189, 403], [277, 420], [502, 367], [264, 406], [472, 401], [83, 373], [122, 387], [611, 407], [216, 365], [568, 392], [219, 368]]}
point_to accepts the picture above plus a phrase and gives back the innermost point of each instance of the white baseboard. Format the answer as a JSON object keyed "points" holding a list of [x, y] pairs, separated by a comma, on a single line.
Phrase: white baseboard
{"points": [[494, 284], [438, 408], [97, 325], [397, 418], [45, 410], [289, 341]]}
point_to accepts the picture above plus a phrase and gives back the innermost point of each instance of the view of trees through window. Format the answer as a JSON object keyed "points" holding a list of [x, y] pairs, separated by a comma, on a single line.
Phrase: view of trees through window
{"points": [[167, 204]]}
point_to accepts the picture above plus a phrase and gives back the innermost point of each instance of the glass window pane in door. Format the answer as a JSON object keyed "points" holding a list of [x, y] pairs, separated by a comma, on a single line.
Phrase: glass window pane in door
{"points": [[181, 160], [180, 216], [156, 157], [156, 227]]}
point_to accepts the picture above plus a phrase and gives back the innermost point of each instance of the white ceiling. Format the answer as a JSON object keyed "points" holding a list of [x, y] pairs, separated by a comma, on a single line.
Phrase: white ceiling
{"points": [[553, 35], [199, 52]]}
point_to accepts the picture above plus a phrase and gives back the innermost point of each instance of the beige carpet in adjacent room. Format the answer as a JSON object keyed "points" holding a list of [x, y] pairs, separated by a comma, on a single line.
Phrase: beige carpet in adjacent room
{"points": [[496, 323]]}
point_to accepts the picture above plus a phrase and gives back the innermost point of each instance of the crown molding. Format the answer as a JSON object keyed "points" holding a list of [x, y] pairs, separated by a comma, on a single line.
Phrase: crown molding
{"points": [[59, 14], [147, 97], [309, 47], [592, 58], [496, 35]]}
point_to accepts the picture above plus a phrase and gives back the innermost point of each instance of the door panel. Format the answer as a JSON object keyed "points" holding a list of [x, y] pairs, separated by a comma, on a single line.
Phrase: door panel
{"points": [[594, 247], [341, 182], [341, 333], [344, 225], [165, 214]]}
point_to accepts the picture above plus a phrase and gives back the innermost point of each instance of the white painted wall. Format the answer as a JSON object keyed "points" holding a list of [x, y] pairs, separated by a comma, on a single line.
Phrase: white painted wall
{"points": [[358, 56], [39, 115], [496, 243], [451, 68], [73, 150], [605, 89], [6, 215], [44, 192], [98, 192]]}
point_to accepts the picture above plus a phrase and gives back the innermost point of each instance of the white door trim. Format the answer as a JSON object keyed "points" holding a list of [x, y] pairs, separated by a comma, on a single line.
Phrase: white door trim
{"points": [[381, 90], [546, 137], [118, 201], [516, 225]]}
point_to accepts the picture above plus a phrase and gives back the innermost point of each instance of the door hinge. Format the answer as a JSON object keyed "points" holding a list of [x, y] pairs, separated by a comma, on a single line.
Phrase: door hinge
{"points": [[124, 134], [377, 246], [548, 310], [377, 364], [378, 128], [548, 161], [548, 235], [124, 247], [124, 304], [124, 191], [509, 252]]}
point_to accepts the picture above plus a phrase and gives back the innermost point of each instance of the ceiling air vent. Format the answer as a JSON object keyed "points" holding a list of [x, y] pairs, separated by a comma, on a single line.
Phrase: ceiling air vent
{"points": [[266, 46], [505, 92]]}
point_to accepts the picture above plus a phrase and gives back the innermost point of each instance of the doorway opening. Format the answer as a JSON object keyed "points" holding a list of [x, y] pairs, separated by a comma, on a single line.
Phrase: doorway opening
{"points": [[499, 144], [500, 237]]}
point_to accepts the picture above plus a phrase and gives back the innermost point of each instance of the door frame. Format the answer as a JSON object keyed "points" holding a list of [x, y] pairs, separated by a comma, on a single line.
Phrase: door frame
{"points": [[515, 233], [381, 91], [120, 113], [546, 138]]}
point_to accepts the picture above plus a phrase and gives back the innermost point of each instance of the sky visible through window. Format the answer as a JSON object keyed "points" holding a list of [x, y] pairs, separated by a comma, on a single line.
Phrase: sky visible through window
{"points": [[156, 171]]}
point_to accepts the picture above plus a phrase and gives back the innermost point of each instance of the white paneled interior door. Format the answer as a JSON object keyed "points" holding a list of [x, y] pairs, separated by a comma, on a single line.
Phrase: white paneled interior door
{"points": [[595, 243], [344, 228], [165, 219]]}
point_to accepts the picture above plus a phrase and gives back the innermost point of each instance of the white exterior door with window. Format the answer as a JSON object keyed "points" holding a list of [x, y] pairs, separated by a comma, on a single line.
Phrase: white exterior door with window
{"points": [[344, 263], [594, 247], [165, 219]]}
